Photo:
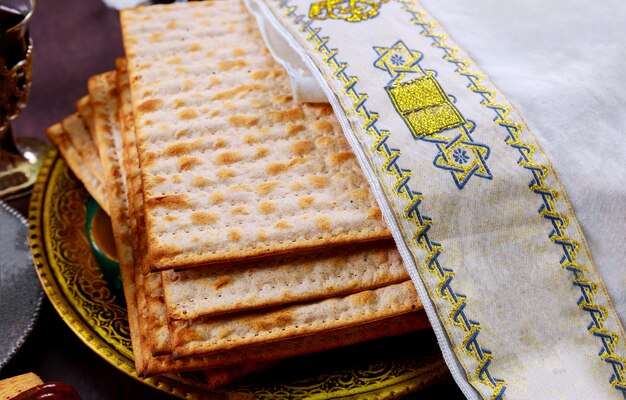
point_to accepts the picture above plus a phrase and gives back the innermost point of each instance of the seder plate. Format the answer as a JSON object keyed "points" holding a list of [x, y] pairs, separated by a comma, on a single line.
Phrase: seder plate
{"points": [[72, 280]]}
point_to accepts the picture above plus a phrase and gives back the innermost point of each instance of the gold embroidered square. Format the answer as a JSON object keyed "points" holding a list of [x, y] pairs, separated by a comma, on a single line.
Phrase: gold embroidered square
{"points": [[424, 106]]}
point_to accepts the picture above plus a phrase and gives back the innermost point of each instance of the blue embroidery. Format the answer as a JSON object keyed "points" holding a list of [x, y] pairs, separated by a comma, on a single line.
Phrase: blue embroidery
{"points": [[548, 210], [398, 59], [428, 112], [460, 156], [412, 213]]}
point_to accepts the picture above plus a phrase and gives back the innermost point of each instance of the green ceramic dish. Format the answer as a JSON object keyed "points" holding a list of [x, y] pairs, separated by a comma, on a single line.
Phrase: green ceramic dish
{"points": [[100, 237]]}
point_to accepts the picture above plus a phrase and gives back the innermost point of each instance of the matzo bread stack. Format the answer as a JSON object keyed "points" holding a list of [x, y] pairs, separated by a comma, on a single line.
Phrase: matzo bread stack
{"points": [[278, 280], [81, 140], [61, 139], [232, 167], [245, 230], [279, 323], [216, 374]]}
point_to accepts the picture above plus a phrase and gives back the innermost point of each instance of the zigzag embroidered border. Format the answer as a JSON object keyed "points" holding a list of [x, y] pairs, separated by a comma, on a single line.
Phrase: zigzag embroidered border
{"points": [[402, 189], [559, 221]]}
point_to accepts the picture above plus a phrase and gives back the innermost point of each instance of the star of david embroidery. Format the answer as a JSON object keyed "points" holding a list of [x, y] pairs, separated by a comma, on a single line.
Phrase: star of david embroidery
{"points": [[430, 113], [398, 59], [464, 158]]}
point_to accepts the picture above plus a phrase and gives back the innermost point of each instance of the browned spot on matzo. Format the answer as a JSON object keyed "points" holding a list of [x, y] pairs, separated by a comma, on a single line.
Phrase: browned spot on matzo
{"points": [[220, 143], [217, 197], [340, 158], [175, 201], [261, 152], [227, 94], [297, 161], [260, 74], [324, 127], [149, 157], [225, 173], [282, 225], [250, 138], [234, 234], [188, 113], [275, 321], [286, 115], [374, 213], [293, 129], [267, 207], [262, 235], [302, 147], [324, 141], [227, 157], [194, 47], [155, 181], [239, 210], [180, 148], [306, 201], [243, 121], [231, 64], [186, 163], [160, 251], [359, 194], [364, 298], [147, 93], [295, 186], [318, 182], [240, 188], [204, 218], [155, 37], [201, 181], [186, 85], [150, 105], [323, 223], [276, 168], [221, 283], [267, 187], [283, 98]]}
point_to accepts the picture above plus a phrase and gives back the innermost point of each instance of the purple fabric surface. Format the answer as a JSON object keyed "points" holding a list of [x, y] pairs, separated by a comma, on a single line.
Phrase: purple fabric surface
{"points": [[73, 39]]}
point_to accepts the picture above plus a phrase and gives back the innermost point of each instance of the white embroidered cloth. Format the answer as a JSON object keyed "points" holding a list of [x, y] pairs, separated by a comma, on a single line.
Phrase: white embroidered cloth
{"points": [[474, 204], [561, 63]]}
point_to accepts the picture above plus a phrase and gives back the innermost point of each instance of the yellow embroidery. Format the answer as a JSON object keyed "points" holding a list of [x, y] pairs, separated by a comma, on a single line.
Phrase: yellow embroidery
{"points": [[559, 221], [462, 156], [398, 59], [424, 106], [458, 317], [427, 111], [347, 10]]}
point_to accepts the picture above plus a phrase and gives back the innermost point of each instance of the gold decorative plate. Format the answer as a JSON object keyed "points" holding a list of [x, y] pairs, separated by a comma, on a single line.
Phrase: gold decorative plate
{"points": [[71, 278]]}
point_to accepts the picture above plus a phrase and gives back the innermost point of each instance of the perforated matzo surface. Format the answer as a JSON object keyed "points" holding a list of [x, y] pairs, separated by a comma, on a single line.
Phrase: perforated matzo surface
{"points": [[232, 166]]}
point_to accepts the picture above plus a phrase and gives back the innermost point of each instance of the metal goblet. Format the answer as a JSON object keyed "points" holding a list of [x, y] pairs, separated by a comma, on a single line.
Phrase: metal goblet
{"points": [[20, 160]]}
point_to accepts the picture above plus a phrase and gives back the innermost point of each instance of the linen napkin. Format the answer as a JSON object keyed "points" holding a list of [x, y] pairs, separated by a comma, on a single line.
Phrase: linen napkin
{"points": [[477, 210]]}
